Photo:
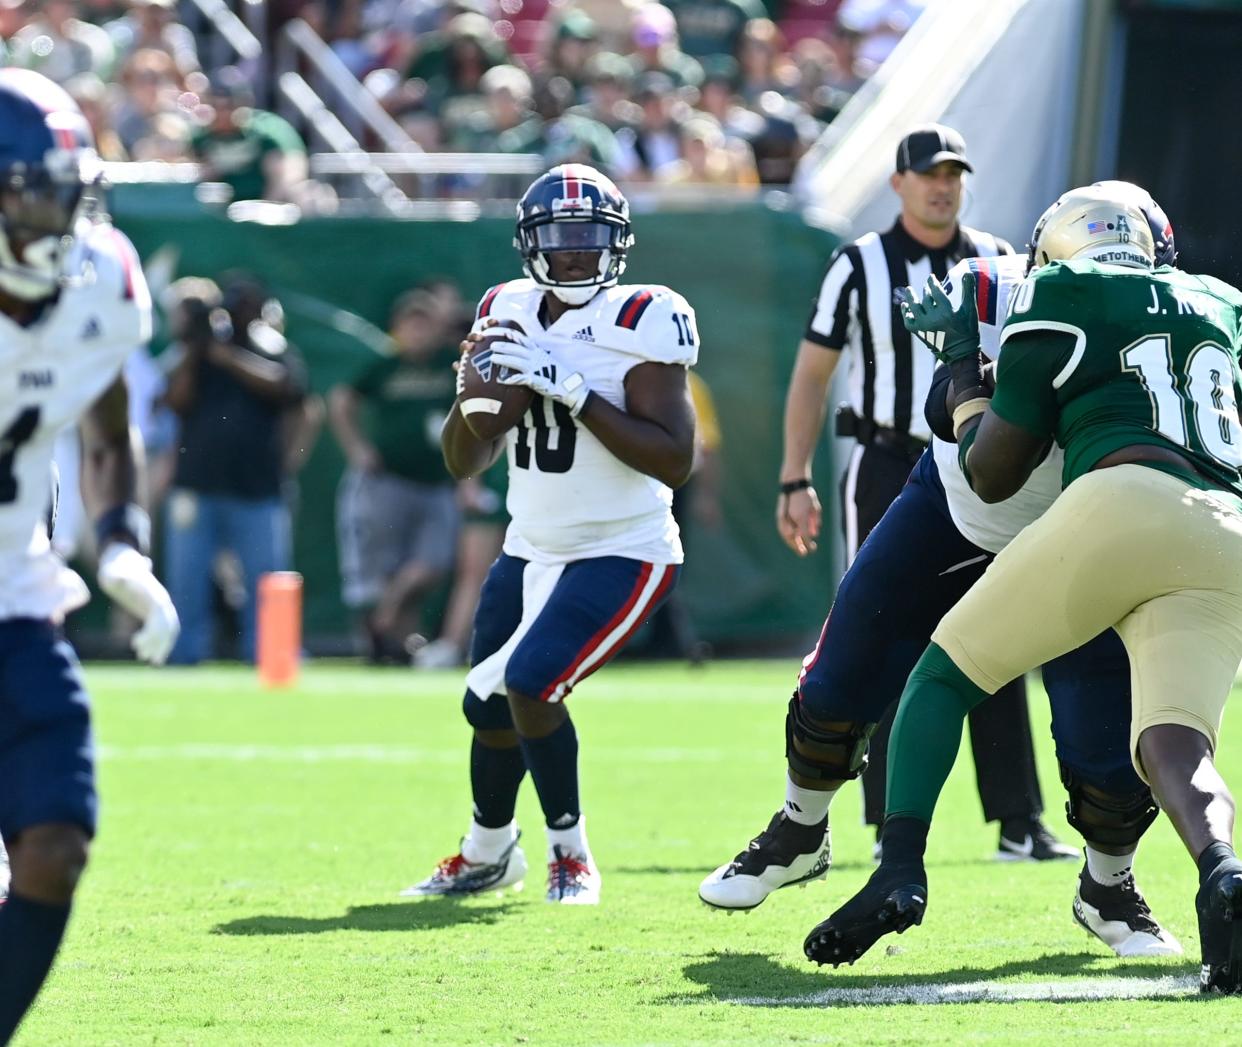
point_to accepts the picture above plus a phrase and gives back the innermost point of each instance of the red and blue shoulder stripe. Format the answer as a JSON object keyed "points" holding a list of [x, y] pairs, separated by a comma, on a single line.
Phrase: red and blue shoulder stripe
{"points": [[129, 262], [485, 303], [633, 308], [986, 289]]}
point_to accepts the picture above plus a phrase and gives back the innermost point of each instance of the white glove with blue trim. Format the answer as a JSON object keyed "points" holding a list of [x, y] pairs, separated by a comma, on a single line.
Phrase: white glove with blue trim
{"points": [[541, 372], [126, 576]]}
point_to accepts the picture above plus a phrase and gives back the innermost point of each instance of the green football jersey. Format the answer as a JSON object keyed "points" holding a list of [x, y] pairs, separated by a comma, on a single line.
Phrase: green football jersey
{"points": [[1102, 357]]}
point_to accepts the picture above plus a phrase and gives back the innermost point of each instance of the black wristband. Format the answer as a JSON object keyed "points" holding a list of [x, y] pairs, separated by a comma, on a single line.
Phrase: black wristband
{"points": [[790, 486], [128, 521], [975, 392], [967, 372]]}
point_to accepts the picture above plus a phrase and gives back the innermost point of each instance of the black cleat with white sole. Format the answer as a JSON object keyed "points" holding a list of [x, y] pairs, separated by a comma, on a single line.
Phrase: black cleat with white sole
{"points": [[1119, 916], [893, 901], [1030, 840], [784, 854], [1219, 907]]}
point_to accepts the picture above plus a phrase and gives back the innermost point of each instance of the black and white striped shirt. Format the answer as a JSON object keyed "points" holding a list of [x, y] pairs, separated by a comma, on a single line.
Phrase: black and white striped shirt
{"points": [[856, 312]]}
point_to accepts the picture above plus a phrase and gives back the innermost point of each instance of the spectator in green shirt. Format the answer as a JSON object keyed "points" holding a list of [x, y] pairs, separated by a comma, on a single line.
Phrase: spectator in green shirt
{"points": [[559, 136], [256, 152], [713, 27], [397, 514], [508, 106]]}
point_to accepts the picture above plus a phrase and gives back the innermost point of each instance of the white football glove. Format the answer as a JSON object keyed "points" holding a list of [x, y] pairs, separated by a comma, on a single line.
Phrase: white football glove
{"points": [[541, 372], [126, 576]]}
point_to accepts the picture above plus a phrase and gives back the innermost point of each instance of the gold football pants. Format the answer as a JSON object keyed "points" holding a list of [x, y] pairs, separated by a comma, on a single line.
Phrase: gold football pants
{"points": [[1128, 547]]}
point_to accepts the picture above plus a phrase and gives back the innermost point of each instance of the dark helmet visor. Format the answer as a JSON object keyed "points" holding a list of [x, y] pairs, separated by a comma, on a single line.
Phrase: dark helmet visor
{"points": [[573, 236]]}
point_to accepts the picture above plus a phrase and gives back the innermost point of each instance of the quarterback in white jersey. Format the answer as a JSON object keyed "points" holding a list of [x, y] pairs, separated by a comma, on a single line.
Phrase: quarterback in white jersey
{"points": [[604, 507], [593, 549], [73, 305]]}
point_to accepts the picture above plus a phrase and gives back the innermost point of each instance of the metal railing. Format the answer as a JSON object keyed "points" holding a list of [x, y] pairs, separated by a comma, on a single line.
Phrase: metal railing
{"points": [[232, 29], [335, 135], [299, 46], [485, 177]]}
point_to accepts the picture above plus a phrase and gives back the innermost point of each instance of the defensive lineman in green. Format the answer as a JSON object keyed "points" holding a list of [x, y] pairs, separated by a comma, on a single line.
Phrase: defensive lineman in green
{"points": [[1134, 372]]}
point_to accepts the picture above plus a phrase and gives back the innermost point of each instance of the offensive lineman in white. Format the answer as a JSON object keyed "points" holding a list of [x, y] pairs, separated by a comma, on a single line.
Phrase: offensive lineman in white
{"points": [[592, 550], [73, 305], [913, 568]]}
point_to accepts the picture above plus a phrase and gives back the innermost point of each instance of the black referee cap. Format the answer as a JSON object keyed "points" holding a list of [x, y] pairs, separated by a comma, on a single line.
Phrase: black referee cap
{"points": [[926, 146]]}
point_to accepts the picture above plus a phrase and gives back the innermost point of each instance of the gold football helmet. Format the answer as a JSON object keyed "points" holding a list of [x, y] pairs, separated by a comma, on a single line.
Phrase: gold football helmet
{"points": [[1100, 223]]}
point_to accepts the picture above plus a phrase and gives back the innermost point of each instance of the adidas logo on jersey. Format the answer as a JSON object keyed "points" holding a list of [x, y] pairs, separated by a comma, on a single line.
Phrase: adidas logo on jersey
{"points": [[93, 329], [585, 335]]}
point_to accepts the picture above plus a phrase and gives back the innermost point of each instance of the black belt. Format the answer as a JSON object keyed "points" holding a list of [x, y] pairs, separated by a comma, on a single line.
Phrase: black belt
{"points": [[868, 433], [903, 444]]}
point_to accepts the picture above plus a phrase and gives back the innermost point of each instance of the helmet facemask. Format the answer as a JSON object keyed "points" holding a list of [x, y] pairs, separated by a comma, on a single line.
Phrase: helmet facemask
{"points": [[40, 207], [544, 235]]}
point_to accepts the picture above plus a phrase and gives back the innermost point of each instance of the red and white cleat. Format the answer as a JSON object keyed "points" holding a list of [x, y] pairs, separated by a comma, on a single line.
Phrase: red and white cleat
{"points": [[573, 879], [457, 876]]}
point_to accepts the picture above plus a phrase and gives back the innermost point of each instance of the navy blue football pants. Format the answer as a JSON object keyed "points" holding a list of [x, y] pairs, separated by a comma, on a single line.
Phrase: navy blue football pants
{"points": [[47, 764]]}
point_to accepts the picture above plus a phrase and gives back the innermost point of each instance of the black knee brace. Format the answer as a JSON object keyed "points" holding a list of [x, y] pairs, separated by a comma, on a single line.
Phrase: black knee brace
{"points": [[1116, 820], [490, 715], [825, 755]]}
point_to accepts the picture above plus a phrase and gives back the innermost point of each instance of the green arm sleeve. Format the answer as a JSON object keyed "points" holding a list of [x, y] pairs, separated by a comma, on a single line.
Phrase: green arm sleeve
{"points": [[1028, 364]]}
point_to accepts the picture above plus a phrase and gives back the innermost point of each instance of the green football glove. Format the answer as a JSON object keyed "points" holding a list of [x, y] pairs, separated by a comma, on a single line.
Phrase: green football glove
{"points": [[950, 334]]}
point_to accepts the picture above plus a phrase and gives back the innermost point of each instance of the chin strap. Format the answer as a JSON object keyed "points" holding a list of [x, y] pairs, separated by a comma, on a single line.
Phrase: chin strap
{"points": [[37, 277]]}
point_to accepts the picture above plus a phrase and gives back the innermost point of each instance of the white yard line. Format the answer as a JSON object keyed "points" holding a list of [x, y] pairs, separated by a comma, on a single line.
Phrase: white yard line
{"points": [[986, 992], [364, 753]]}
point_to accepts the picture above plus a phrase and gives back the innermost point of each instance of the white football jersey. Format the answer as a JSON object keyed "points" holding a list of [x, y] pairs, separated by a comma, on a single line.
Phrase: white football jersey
{"points": [[51, 371], [992, 527], [570, 498]]}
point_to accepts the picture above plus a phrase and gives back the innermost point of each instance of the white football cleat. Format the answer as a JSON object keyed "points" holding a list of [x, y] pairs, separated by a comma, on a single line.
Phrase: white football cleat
{"points": [[439, 654], [573, 879], [1120, 917], [455, 876], [784, 854]]}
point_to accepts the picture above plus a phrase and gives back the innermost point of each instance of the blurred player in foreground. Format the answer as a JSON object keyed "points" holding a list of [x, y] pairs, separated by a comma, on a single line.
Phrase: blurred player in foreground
{"points": [[1133, 371], [930, 547], [593, 548], [73, 306]]}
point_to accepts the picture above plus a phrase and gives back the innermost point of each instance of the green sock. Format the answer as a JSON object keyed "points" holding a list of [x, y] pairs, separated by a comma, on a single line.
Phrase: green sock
{"points": [[927, 733]]}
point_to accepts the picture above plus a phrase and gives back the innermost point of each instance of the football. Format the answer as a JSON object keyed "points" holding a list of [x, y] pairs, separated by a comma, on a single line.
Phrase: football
{"points": [[490, 408]]}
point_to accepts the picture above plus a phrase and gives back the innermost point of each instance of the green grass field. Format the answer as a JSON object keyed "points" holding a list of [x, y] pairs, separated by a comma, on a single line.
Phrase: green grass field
{"points": [[244, 885]]}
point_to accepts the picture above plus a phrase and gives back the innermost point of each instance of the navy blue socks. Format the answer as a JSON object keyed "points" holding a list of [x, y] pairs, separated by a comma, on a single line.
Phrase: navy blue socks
{"points": [[553, 764], [495, 776], [30, 934]]}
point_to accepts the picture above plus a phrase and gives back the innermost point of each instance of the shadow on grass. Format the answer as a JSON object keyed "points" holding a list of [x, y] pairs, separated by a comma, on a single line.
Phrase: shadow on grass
{"points": [[425, 915], [848, 865], [742, 977]]}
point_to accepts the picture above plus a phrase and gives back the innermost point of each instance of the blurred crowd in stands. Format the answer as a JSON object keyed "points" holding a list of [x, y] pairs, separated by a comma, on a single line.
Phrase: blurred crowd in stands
{"points": [[724, 92]]}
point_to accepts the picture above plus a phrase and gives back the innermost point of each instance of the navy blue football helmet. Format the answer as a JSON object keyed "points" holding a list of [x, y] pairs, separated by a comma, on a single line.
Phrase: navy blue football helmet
{"points": [[573, 208], [49, 173]]}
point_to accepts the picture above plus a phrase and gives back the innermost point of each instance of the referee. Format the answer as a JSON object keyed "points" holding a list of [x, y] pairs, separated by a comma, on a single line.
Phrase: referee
{"points": [[856, 316]]}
